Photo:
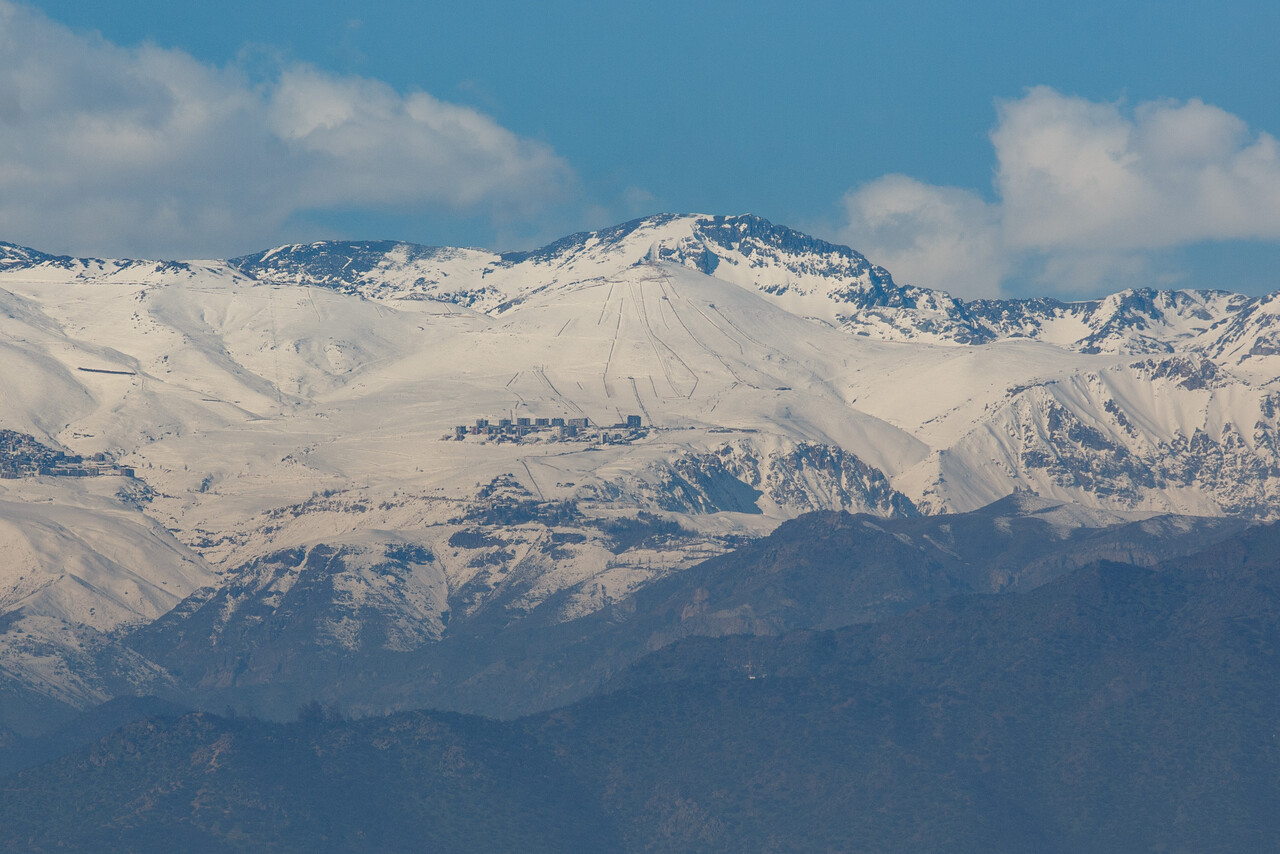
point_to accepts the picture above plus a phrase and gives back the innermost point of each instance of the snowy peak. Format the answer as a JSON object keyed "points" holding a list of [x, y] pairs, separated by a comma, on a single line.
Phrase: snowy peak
{"points": [[331, 263], [774, 252], [1140, 321], [810, 277], [746, 250], [752, 252], [378, 269], [802, 274], [1149, 321], [14, 257], [1249, 335], [619, 244]]}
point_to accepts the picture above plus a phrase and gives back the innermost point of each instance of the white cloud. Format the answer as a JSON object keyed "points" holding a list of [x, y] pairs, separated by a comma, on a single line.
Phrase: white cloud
{"points": [[1081, 174], [1087, 194], [148, 151], [946, 237]]}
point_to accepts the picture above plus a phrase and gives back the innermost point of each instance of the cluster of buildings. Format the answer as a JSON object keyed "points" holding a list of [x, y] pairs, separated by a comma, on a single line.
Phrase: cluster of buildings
{"points": [[515, 429], [22, 456]]}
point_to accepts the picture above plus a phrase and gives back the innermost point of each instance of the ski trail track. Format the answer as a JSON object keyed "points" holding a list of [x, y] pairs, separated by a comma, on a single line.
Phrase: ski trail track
{"points": [[643, 409], [605, 306], [667, 295], [655, 342], [565, 402], [764, 348], [742, 351], [697, 339], [533, 480], [613, 344], [275, 342]]}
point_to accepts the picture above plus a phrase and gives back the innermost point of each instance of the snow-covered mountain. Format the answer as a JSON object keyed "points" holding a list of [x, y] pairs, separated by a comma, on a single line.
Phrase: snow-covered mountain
{"points": [[291, 420]]}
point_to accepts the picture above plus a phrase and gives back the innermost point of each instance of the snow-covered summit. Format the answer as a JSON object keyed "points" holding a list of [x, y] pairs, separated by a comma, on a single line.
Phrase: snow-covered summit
{"points": [[804, 275], [792, 268], [28, 263], [14, 257]]}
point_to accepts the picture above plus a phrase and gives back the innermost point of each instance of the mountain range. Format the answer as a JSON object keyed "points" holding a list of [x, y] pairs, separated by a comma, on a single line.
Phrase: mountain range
{"points": [[248, 481]]}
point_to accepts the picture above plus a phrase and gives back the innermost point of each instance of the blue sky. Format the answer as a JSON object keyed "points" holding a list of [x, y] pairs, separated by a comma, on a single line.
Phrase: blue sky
{"points": [[984, 148]]}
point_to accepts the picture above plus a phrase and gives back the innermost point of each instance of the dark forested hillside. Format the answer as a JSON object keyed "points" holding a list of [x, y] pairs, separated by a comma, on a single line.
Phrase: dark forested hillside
{"points": [[1119, 708], [412, 782]]}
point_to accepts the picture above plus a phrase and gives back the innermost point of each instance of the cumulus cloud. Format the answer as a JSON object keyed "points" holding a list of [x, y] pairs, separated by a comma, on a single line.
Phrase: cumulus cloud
{"points": [[141, 151], [946, 237], [1086, 194], [1075, 173]]}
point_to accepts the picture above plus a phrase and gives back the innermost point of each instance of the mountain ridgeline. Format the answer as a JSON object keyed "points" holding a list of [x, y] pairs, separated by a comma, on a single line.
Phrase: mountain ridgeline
{"points": [[786, 261]]}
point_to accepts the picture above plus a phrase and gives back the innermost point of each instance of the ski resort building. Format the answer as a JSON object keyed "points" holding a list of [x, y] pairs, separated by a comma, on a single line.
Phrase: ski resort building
{"points": [[516, 429], [22, 455]]}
